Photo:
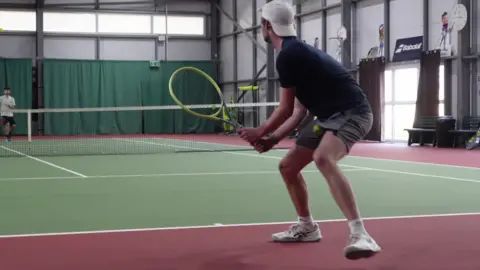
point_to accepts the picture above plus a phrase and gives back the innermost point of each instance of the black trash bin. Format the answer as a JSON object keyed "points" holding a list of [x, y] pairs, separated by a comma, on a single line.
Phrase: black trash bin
{"points": [[444, 138]]}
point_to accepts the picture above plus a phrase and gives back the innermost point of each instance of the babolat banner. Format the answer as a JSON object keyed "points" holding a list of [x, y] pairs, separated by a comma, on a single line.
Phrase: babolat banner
{"points": [[408, 49]]}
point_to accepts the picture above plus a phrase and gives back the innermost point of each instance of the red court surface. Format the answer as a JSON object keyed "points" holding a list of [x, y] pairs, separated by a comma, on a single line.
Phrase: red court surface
{"points": [[429, 243]]}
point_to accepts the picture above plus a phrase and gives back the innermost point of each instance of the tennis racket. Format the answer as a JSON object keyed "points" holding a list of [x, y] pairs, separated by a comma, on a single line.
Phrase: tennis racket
{"points": [[473, 142], [217, 115]]}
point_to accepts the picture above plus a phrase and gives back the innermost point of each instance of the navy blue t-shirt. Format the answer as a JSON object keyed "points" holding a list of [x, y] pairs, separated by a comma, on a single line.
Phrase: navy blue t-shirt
{"points": [[322, 84]]}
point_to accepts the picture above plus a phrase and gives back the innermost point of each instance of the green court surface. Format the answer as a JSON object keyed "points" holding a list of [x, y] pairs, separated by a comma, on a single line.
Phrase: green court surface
{"points": [[90, 193]]}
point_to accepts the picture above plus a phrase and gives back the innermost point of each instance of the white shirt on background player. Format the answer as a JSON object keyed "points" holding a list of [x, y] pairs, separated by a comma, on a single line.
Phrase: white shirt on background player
{"points": [[5, 103]]}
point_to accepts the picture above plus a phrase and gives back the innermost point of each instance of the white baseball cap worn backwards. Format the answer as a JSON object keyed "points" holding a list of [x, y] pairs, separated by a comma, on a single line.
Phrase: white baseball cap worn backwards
{"points": [[281, 16]]}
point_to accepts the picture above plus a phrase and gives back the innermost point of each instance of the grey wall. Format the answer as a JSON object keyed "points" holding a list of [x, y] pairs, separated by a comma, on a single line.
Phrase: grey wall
{"points": [[406, 20], [69, 46]]}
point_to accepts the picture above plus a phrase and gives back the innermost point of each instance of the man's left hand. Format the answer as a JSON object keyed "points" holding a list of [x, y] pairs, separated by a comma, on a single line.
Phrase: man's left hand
{"points": [[250, 135]]}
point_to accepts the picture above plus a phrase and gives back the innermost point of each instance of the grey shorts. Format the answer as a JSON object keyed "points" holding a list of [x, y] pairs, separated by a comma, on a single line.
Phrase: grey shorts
{"points": [[350, 126]]}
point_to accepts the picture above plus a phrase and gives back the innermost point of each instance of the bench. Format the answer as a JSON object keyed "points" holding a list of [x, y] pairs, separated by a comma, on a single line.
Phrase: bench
{"points": [[470, 126], [424, 131]]}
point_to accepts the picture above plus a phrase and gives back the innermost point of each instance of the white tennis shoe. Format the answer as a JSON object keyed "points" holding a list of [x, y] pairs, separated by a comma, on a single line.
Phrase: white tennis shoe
{"points": [[299, 233], [361, 246]]}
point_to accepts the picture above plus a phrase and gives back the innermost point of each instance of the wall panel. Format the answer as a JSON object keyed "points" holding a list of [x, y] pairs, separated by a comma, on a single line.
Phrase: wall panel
{"points": [[435, 22], [312, 28], [244, 13], [127, 49], [196, 50], [244, 57], [400, 26], [261, 56], [369, 18], [226, 26], [69, 48], [260, 3], [334, 22], [311, 5], [17, 46], [226, 59], [331, 2]]}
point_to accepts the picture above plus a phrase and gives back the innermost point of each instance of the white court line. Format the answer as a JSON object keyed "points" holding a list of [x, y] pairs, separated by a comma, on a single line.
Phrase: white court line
{"points": [[44, 162], [350, 166], [382, 170], [358, 157], [231, 225], [159, 175]]}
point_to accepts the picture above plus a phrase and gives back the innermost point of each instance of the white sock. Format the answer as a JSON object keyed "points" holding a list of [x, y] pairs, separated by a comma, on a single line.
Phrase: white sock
{"points": [[306, 221], [356, 227]]}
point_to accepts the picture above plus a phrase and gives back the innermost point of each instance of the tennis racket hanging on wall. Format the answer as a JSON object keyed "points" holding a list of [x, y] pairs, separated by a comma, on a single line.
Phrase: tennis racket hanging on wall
{"points": [[459, 20], [341, 37]]}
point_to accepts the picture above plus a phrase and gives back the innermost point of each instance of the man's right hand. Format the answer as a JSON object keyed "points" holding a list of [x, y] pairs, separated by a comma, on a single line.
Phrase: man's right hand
{"points": [[264, 144]]}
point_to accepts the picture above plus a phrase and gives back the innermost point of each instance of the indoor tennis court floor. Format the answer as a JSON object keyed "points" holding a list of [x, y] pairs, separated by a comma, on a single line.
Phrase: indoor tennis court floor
{"points": [[218, 210]]}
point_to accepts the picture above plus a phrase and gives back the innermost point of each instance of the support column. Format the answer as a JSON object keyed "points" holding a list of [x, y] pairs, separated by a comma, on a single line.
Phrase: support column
{"points": [[298, 21], [448, 72], [426, 30], [97, 38], [235, 49], [255, 94], [475, 98], [270, 75], [463, 68], [353, 38], [347, 23], [39, 53], [324, 26], [386, 24], [214, 32]]}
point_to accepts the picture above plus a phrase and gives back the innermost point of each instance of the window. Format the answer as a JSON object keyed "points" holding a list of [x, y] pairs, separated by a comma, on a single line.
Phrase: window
{"points": [[388, 86], [179, 25], [388, 126], [441, 109], [69, 22], [125, 24], [403, 116], [405, 84], [18, 20], [441, 95]]}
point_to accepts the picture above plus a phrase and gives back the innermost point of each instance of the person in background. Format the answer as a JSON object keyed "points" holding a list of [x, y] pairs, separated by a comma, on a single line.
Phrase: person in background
{"points": [[7, 103]]}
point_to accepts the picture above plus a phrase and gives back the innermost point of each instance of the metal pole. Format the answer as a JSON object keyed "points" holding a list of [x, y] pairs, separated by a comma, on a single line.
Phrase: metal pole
{"points": [[426, 20], [386, 24], [166, 32], [463, 69]]}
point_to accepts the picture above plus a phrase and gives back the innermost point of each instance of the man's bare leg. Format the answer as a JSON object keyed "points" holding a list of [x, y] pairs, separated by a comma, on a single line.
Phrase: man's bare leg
{"points": [[7, 129], [329, 152], [290, 168], [11, 129]]}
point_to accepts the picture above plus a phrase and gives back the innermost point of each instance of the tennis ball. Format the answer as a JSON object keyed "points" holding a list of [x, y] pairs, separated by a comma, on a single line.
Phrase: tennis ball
{"points": [[318, 130], [1, 29]]}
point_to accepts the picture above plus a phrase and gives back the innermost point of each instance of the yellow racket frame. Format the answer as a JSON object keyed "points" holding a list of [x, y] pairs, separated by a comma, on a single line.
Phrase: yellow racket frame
{"points": [[213, 116]]}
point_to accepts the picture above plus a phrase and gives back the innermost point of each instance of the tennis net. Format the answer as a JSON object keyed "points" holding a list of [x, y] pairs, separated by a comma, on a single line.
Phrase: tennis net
{"points": [[128, 130]]}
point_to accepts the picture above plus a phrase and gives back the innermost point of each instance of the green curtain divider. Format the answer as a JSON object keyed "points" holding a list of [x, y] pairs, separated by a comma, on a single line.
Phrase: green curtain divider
{"points": [[17, 74], [87, 83]]}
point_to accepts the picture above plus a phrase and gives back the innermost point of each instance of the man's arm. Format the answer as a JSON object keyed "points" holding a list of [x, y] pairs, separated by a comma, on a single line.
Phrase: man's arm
{"points": [[298, 115], [12, 105], [281, 113]]}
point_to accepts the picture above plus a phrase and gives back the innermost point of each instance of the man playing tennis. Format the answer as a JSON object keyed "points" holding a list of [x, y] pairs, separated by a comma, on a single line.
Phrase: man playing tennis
{"points": [[313, 82], [7, 102]]}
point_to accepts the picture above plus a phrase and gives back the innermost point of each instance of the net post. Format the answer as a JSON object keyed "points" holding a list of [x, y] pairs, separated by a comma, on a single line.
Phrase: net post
{"points": [[29, 125]]}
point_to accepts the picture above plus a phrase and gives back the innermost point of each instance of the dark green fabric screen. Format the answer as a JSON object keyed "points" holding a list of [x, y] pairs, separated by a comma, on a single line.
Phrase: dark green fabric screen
{"points": [[17, 74], [86, 83]]}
